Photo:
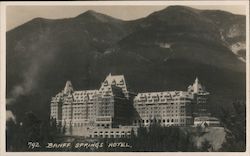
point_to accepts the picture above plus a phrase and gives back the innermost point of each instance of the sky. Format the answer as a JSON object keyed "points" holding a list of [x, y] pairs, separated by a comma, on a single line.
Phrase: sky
{"points": [[17, 15]]}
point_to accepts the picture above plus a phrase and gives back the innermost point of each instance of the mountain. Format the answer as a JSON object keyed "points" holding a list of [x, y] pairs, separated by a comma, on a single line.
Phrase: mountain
{"points": [[175, 27], [232, 30], [163, 51]]}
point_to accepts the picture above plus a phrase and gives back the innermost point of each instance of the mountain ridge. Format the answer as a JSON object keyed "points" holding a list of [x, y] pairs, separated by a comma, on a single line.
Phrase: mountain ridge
{"points": [[165, 54]]}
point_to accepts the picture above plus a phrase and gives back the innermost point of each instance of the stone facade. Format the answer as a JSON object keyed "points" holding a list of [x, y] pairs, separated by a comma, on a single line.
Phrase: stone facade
{"points": [[107, 107], [200, 99], [113, 107], [171, 108]]}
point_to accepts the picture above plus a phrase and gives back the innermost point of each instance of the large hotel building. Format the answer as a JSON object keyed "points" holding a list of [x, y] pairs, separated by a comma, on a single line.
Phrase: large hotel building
{"points": [[171, 108], [113, 111]]}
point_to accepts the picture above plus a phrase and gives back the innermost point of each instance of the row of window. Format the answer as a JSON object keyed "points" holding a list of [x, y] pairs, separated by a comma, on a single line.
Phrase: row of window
{"points": [[83, 100], [157, 112], [104, 113], [160, 115], [54, 112], [77, 114], [111, 132], [158, 121], [158, 107], [83, 110], [77, 124], [103, 125], [83, 104], [109, 136], [84, 93], [164, 102], [77, 108], [164, 99], [161, 95], [105, 83], [105, 108]]}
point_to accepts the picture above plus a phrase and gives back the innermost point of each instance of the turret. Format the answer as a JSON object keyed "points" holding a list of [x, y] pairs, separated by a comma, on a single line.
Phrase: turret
{"points": [[68, 88], [200, 99], [196, 88]]}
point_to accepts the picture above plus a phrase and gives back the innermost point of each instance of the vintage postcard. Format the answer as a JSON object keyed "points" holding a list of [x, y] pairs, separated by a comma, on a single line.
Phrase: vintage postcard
{"points": [[101, 77]]}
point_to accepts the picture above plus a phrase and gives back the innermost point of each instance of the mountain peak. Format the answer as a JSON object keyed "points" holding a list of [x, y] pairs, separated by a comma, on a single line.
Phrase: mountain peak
{"points": [[181, 7], [88, 13], [176, 12], [39, 20], [178, 8], [91, 12], [180, 16], [96, 15]]}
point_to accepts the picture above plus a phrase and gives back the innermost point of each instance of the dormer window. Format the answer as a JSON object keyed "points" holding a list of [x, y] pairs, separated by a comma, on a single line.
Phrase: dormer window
{"points": [[122, 82], [105, 83]]}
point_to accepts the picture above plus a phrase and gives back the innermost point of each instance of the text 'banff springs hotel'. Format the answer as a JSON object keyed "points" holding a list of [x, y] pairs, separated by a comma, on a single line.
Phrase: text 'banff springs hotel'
{"points": [[113, 111]]}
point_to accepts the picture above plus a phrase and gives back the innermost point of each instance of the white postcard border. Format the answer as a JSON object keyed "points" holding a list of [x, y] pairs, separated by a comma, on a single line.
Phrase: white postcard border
{"points": [[107, 3]]}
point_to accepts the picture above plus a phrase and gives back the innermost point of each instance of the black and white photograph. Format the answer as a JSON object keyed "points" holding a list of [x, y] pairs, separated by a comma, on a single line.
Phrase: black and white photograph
{"points": [[129, 77]]}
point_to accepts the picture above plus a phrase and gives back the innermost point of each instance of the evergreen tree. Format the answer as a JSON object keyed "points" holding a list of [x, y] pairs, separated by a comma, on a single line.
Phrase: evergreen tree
{"points": [[206, 146]]}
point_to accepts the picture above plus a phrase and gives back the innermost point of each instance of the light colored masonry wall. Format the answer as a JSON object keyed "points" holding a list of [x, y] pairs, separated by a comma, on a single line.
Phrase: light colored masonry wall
{"points": [[91, 112]]}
